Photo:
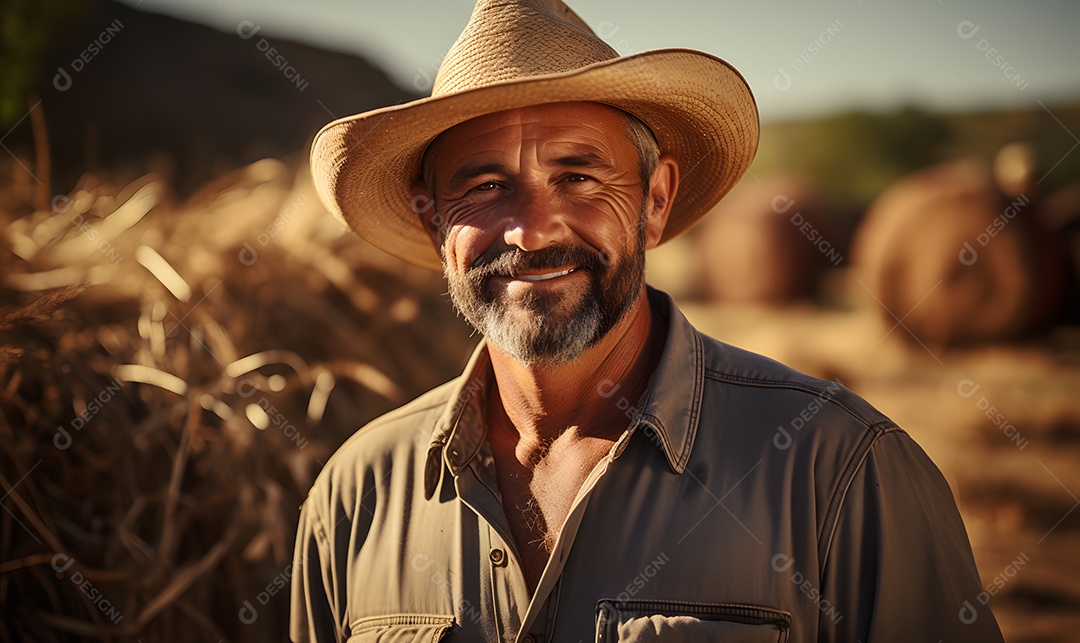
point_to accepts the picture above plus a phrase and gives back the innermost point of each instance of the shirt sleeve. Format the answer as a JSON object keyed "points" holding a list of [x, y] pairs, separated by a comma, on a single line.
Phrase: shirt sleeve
{"points": [[314, 611], [899, 565]]}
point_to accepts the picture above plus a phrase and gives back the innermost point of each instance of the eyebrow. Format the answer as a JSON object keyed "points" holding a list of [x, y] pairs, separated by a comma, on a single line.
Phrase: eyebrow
{"points": [[586, 159], [470, 172]]}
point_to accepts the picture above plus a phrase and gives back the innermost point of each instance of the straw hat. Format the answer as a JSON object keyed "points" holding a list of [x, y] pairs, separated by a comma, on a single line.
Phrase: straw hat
{"points": [[527, 52]]}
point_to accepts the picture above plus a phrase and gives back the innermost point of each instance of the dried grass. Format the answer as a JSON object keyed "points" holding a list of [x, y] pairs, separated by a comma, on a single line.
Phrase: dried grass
{"points": [[172, 376]]}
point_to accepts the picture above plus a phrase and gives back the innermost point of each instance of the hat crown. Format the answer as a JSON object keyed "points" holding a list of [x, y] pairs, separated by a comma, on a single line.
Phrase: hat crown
{"points": [[506, 40]]}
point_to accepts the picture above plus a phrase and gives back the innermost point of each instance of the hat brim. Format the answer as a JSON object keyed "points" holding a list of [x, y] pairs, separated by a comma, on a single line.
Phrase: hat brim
{"points": [[699, 107]]}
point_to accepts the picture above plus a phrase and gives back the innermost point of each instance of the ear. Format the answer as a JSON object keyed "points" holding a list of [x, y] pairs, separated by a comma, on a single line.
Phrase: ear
{"points": [[423, 204], [662, 189]]}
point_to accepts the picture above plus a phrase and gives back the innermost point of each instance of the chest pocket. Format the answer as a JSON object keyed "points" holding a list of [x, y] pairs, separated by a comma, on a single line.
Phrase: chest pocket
{"points": [[644, 621], [401, 628]]}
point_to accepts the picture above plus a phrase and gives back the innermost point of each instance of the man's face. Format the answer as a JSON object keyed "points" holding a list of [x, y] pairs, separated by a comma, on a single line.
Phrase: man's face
{"points": [[541, 223]]}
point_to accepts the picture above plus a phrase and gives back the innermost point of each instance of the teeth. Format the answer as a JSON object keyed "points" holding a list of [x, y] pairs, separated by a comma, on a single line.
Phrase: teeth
{"points": [[545, 277]]}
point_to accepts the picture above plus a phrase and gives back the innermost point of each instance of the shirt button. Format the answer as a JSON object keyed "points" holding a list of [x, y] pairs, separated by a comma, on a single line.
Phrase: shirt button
{"points": [[528, 639], [498, 557]]}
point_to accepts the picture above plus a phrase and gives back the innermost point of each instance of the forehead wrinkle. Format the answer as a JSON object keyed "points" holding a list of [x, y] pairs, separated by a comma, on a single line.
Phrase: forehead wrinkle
{"points": [[587, 145], [482, 158], [584, 143]]}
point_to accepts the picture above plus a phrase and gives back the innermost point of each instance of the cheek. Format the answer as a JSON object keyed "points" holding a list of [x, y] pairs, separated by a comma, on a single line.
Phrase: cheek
{"points": [[609, 221], [466, 238]]}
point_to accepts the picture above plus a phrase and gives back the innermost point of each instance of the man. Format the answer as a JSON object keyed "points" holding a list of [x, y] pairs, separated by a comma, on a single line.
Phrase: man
{"points": [[601, 471]]}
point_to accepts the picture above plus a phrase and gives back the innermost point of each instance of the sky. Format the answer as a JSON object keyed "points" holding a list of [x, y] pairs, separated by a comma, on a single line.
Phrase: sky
{"points": [[802, 59]]}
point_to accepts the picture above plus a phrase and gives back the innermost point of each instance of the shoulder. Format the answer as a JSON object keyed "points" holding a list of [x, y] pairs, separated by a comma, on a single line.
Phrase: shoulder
{"points": [[779, 391], [398, 439]]}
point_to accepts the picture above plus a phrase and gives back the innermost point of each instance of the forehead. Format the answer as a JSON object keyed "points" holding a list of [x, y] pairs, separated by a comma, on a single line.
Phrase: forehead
{"points": [[555, 125]]}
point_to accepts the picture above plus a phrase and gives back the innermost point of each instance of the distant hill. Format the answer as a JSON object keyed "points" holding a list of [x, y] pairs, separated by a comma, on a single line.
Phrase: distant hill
{"points": [[130, 91]]}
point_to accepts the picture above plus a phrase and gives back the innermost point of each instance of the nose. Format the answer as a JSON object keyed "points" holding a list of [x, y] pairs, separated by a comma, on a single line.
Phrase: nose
{"points": [[537, 220]]}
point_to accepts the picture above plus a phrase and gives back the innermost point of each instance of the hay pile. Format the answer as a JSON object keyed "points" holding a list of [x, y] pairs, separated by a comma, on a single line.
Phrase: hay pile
{"points": [[172, 377]]}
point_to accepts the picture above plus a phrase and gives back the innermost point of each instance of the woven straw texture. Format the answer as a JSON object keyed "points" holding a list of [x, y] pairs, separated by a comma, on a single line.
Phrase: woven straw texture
{"points": [[516, 54]]}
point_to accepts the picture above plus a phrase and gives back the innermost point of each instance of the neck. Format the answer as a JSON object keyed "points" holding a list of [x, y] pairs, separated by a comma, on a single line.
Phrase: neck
{"points": [[588, 396]]}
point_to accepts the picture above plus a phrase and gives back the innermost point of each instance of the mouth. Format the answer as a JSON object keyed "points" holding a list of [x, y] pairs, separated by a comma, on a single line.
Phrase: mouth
{"points": [[544, 276]]}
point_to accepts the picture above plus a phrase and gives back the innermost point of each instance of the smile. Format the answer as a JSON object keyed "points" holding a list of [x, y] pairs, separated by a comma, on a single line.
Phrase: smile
{"points": [[545, 276]]}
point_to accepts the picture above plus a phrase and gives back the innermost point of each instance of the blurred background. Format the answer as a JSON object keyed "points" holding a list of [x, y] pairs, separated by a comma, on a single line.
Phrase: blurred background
{"points": [[186, 335]]}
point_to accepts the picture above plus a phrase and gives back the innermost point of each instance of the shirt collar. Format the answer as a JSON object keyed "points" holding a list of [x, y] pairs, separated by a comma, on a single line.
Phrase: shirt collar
{"points": [[670, 407]]}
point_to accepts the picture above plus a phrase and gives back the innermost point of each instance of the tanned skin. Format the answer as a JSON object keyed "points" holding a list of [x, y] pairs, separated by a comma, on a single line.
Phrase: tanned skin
{"points": [[562, 173]]}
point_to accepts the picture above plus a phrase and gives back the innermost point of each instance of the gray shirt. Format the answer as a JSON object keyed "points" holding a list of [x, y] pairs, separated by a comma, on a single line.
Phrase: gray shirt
{"points": [[744, 502]]}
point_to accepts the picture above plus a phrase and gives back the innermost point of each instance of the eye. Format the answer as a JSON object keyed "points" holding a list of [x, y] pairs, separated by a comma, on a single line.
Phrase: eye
{"points": [[577, 178], [486, 186]]}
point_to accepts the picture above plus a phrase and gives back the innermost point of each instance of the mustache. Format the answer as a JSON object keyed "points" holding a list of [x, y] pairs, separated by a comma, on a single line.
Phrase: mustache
{"points": [[506, 262]]}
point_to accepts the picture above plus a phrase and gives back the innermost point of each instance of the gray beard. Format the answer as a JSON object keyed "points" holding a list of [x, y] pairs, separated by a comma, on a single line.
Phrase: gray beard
{"points": [[545, 329]]}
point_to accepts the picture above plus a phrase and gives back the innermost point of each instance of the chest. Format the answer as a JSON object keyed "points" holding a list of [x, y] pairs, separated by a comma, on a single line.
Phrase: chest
{"points": [[537, 497], [645, 534]]}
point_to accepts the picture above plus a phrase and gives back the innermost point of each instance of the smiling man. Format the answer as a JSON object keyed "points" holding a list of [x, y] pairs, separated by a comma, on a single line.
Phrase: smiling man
{"points": [[601, 470]]}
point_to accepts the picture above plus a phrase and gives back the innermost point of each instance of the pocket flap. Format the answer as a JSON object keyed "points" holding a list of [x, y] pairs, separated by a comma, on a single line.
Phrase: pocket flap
{"points": [[401, 628], [643, 621]]}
